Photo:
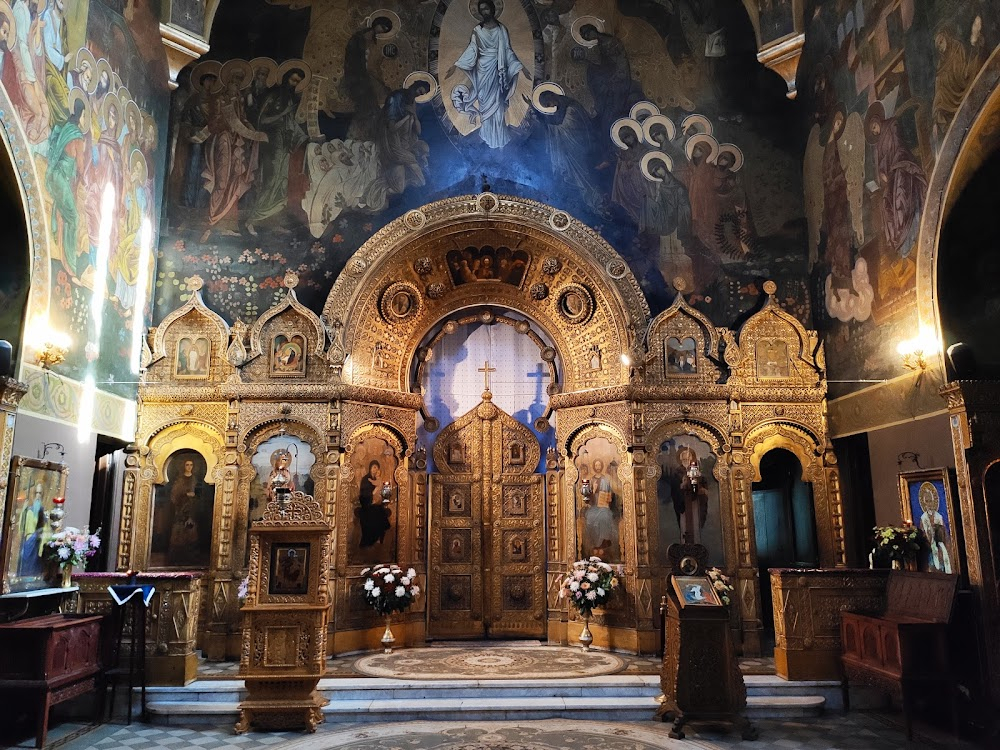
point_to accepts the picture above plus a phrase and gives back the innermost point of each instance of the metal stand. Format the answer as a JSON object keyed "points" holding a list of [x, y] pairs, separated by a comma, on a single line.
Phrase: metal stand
{"points": [[129, 618]]}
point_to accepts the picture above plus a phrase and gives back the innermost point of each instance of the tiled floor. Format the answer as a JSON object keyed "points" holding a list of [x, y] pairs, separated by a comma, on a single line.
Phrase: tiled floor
{"points": [[855, 731]]}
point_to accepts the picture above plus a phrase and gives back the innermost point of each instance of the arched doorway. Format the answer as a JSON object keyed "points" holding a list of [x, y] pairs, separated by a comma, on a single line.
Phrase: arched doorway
{"points": [[784, 525], [15, 276]]}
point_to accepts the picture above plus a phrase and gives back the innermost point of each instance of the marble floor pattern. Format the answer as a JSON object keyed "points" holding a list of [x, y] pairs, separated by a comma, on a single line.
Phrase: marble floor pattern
{"points": [[855, 731]]}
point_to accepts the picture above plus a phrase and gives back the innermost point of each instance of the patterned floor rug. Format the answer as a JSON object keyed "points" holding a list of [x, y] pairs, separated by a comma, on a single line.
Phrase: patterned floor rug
{"points": [[490, 663], [541, 735]]}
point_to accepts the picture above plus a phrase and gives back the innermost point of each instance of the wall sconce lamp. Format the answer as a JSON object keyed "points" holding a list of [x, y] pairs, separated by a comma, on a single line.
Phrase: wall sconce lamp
{"points": [[51, 346], [915, 351]]}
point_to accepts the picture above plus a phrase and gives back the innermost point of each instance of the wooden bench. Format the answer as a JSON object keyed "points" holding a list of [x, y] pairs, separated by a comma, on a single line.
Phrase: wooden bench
{"points": [[905, 650]]}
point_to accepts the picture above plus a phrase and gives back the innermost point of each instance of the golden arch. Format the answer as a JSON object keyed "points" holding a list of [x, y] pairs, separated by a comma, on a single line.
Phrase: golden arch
{"points": [[573, 283], [969, 141]]}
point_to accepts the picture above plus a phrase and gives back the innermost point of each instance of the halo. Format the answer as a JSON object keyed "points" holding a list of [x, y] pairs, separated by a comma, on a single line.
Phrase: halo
{"points": [[138, 158], [474, 9], [149, 126], [875, 112], [272, 68], [732, 148], [625, 122], [652, 155], [422, 75], [78, 94], [700, 123], [653, 120], [289, 65], [132, 110], [103, 66], [202, 69], [111, 101], [384, 13], [639, 109], [124, 95], [694, 140], [116, 81], [6, 12], [229, 69], [540, 89], [84, 54], [582, 21]]}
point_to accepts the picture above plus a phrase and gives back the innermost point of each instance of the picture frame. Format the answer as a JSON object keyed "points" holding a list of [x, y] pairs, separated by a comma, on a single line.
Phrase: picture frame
{"points": [[680, 356], [27, 524], [927, 502], [695, 591], [288, 356], [289, 568], [193, 357]]}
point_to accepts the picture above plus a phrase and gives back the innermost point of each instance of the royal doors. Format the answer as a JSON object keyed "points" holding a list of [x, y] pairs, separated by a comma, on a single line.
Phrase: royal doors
{"points": [[487, 532]]}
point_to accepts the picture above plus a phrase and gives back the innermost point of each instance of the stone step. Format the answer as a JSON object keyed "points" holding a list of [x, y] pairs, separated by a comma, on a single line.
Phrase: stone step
{"points": [[388, 689], [611, 708]]}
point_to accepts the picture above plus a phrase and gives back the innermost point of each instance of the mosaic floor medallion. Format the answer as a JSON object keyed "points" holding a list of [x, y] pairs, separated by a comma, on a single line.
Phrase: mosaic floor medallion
{"points": [[489, 663]]}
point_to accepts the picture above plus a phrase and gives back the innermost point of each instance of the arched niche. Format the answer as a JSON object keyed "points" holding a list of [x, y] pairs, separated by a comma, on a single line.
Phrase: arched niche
{"points": [[447, 333], [26, 185], [432, 262], [966, 274], [190, 344], [287, 341], [682, 347], [370, 528], [155, 495], [668, 442], [773, 349], [605, 524], [304, 471], [974, 134]]}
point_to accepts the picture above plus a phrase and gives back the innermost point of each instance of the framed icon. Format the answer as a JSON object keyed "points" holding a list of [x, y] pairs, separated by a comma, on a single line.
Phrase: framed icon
{"points": [[289, 568], [927, 503], [695, 591]]}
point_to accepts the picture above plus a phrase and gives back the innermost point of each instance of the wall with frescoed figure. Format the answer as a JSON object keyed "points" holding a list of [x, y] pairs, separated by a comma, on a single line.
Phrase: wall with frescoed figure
{"points": [[311, 124], [880, 85], [83, 108]]}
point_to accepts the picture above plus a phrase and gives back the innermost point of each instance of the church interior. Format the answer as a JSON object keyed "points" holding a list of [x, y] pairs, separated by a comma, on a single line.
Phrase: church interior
{"points": [[631, 331]]}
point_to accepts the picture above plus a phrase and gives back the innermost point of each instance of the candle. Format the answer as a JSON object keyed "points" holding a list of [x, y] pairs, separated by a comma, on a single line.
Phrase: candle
{"points": [[6, 359]]}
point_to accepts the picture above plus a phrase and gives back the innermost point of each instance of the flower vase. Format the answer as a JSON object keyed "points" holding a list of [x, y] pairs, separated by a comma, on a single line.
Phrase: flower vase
{"points": [[67, 575], [586, 637], [387, 637], [897, 564]]}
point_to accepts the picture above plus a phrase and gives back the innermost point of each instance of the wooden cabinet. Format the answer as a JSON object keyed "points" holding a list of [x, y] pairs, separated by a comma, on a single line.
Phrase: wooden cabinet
{"points": [[53, 658], [905, 650]]}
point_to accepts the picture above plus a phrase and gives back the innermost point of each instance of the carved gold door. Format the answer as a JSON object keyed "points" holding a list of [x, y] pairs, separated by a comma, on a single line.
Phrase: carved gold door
{"points": [[487, 530]]}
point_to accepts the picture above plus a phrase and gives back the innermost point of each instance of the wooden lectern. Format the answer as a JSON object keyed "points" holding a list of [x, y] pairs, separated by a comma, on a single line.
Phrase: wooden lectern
{"points": [[286, 615], [700, 677]]}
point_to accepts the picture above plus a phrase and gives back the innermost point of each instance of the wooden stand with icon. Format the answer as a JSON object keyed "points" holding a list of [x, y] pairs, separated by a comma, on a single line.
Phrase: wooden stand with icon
{"points": [[286, 615], [700, 676]]}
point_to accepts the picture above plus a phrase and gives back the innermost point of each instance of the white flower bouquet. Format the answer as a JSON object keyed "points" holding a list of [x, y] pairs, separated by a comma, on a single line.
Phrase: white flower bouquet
{"points": [[589, 585], [73, 547], [388, 588], [720, 582]]}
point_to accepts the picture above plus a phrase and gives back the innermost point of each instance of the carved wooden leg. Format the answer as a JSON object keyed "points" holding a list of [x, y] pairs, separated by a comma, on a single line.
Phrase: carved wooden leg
{"points": [[43, 719], [677, 730], [243, 725]]}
